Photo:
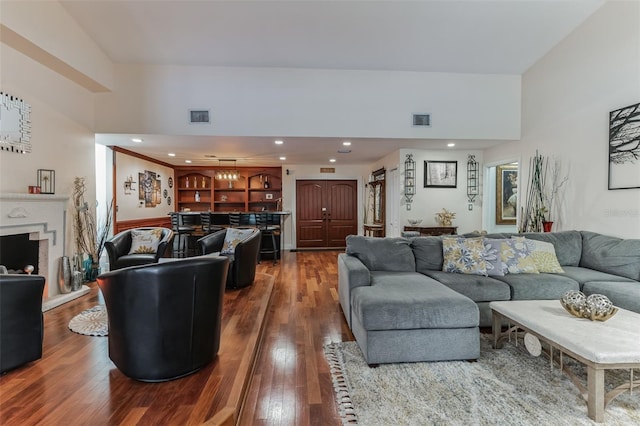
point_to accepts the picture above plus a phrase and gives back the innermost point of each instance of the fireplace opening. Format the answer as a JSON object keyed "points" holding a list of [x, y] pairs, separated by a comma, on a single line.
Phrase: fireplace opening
{"points": [[18, 251]]}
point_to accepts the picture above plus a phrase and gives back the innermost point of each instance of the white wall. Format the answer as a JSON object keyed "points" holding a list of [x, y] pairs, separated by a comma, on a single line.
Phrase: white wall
{"points": [[130, 206], [60, 138], [429, 201], [305, 102], [567, 97]]}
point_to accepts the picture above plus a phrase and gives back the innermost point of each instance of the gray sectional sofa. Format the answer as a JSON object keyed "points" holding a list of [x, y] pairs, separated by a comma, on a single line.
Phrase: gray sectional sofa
{"points": [[402, 307]]}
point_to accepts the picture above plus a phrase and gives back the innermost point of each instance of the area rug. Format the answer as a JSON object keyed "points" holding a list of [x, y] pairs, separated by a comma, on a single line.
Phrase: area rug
{"points": [[91, 322], [505, 387]]}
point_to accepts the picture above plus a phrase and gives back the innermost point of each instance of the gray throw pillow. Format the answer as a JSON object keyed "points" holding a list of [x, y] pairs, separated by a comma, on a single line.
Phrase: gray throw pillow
{"points": [[382, 254]]}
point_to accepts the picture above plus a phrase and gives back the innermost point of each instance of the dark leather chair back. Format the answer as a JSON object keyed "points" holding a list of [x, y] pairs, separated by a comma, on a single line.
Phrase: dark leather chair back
{"points": [[242, 271], [21, 321], [119, 245], [165, 318]]}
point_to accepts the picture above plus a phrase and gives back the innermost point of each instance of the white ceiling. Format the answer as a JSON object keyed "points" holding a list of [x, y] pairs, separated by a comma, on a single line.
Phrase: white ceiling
{"points": [[475, 36]]}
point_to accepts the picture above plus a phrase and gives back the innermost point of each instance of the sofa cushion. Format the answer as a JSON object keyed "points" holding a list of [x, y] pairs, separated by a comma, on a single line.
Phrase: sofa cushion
{"points": [[544, 256], [567, 244], [232, 238], [492, 257], [538, 286], [145, 241], [623, 294], [516, 257], [475, 287], [405, 300], [584, 275], [382, 254], [428, 253], [464, 256], [611, 254]]}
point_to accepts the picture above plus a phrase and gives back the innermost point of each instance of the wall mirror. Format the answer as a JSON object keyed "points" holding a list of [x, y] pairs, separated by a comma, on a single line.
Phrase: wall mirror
{"points": [[15, 124]]}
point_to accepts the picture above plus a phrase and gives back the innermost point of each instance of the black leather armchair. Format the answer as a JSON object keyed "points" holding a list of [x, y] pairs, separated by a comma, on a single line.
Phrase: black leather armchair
{"points": [[165, 318], [242, 270], [119, 245], [21, 321]]}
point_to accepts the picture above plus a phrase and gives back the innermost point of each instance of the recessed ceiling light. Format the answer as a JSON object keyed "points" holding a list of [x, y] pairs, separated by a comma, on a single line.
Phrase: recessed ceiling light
{"points": [[332, 160], [136, 140], [283, 158], [346, 143], [451, 145], [171, 154], [278, 142], [187, 161]]}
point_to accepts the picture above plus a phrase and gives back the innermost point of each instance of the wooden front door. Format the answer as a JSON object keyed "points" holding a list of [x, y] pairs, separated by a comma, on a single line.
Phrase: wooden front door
{"points": [[326, 212]]}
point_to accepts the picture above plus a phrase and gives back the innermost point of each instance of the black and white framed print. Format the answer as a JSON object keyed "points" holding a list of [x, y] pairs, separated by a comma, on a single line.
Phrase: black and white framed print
{"points": [[624, 148], [440, 174]]}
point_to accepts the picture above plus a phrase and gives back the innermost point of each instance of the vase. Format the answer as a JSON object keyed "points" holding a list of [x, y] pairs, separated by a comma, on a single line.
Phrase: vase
{"points": [[546, 226], [64, 275]]}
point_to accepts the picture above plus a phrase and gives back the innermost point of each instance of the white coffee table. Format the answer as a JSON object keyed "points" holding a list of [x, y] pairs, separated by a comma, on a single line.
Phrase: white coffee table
{"points": [[608, 345]]}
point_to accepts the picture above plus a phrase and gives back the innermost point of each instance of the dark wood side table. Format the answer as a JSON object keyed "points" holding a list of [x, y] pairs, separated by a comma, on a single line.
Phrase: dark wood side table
{"points": [[433, 230], [373, 230]]}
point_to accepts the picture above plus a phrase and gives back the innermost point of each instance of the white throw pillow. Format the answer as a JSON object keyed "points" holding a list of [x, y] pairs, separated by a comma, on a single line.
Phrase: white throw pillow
{"points": [[145, 241], [232, 238]]}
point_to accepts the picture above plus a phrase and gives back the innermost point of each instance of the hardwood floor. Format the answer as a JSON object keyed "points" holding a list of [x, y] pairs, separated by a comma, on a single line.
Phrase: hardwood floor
{"points": [[76, 383]]}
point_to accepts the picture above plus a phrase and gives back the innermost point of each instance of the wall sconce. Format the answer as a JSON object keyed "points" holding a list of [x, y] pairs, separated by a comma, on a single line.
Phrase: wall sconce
{"points": [[47, 181], [409, 180], [128, 185], [472, 178]]}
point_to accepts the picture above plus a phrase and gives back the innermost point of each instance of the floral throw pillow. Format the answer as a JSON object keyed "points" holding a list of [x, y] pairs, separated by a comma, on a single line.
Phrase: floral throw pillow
{"points": [[232, 238], [544, 256], [464, 256], [516, 256], [145, 241], [492, 248]]}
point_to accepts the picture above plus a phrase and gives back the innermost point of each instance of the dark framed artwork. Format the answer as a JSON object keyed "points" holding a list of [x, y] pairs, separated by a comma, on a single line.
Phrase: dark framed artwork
{"points": [[440, 174], [624, 148], [506, 194]]}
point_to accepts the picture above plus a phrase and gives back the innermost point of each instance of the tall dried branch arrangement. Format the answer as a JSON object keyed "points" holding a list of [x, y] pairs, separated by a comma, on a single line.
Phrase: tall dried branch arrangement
{"points": [[544, 184], [90, 236], [534, 208]]}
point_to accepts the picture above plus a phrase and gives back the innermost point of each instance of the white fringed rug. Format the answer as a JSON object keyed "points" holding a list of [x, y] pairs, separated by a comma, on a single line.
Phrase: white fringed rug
{"points": [[91, 322], [505, 387]]}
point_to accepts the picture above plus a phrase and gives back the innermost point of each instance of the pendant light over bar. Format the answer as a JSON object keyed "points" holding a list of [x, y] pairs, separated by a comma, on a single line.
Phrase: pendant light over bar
{"points": [[228, 170]]}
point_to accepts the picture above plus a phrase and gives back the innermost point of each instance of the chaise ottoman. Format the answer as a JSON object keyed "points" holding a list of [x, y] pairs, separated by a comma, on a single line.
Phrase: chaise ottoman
{"points": [[408, 317]]}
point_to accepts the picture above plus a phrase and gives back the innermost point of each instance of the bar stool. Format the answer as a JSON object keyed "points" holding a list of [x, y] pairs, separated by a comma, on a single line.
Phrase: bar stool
{"points": [[180, 229], [262, 223]]}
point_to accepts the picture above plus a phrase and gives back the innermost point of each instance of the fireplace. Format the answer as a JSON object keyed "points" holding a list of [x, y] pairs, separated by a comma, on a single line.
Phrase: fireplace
{"points": [[19, 251], [41, 220]]}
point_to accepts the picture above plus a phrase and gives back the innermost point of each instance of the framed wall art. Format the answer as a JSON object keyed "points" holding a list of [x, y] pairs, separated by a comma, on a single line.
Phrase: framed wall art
{"points": [[624, 148], [440, 174], [506, 194]]}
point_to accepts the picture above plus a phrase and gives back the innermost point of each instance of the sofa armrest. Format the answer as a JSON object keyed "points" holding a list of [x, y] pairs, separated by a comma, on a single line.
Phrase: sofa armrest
{"points": [[351, 274], [212, 242], [166, 241], [119, 245]]}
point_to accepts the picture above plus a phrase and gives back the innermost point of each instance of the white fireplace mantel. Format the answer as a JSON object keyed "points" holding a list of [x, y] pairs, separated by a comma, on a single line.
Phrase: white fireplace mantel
{"points": [[44, 218]]}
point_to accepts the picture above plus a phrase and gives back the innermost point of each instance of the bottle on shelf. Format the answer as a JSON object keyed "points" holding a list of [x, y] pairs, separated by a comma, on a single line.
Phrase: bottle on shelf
{"points": [[197, 196], [267, 185], [204, 183], [195, 182], [186, 184]]}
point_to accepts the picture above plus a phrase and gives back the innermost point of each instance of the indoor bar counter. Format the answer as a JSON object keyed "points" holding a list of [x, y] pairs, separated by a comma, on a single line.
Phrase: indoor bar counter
{"points": [[221, 219]]}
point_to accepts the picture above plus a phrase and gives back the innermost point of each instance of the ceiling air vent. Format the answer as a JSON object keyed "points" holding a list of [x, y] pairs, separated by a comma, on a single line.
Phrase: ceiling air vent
{"points": [[422, 120], [199, 116]]}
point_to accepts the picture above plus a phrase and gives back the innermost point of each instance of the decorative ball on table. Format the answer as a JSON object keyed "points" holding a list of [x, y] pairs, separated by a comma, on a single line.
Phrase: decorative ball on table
{"points": [[596, 307]]}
